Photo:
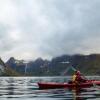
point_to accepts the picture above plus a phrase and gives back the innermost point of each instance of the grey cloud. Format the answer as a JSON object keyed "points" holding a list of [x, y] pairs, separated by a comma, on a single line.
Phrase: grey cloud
{"points": [[3, 30], [53, 27], [83, 26]]}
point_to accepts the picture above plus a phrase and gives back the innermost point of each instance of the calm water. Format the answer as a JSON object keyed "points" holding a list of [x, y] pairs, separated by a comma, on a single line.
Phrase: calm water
{"points": [[25, 88]]}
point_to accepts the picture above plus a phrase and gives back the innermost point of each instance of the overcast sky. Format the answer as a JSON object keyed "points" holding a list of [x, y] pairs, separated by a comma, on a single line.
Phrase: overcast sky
{"points": [[47, 28]]}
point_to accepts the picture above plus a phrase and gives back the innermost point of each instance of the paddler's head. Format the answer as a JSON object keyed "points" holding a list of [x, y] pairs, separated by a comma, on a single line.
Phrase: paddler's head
{"points": [[78, 72]]}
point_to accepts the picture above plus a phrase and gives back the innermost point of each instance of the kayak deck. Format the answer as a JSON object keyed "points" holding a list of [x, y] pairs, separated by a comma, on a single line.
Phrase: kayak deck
{"points": [[53, 85]]}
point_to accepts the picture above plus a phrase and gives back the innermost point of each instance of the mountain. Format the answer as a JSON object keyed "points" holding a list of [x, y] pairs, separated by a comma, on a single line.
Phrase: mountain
{"points": [[6, 71], [87, 64], [36, 67]]}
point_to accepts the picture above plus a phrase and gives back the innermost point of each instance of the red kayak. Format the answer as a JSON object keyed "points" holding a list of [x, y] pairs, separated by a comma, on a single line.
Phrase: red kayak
{"points": [[53, 85]]}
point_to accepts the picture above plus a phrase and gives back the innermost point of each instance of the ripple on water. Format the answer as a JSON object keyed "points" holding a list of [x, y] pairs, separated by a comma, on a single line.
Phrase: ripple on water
{"points": [[26, 88]]}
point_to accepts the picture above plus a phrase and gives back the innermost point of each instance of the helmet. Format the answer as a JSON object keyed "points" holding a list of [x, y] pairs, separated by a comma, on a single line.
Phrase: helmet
{"points": [[78, 72]]}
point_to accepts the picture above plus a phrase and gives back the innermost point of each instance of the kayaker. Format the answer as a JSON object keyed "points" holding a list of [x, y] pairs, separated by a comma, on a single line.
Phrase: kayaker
{"points": [[78, 77]]}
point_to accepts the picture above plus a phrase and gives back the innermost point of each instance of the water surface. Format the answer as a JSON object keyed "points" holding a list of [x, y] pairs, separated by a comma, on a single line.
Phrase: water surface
{"points": [[26, 88]]}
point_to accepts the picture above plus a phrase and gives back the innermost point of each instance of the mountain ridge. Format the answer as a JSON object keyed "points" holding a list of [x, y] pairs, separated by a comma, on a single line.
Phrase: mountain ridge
{"points": [[87, 64]]}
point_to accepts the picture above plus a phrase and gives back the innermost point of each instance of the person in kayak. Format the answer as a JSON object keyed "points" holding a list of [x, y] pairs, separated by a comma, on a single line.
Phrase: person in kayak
{"points": [[78, 78]]}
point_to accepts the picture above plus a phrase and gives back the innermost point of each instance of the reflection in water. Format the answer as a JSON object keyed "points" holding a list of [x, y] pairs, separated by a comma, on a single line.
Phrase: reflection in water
{"points": [[77, 94], [85, 94], [25, 88]]}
